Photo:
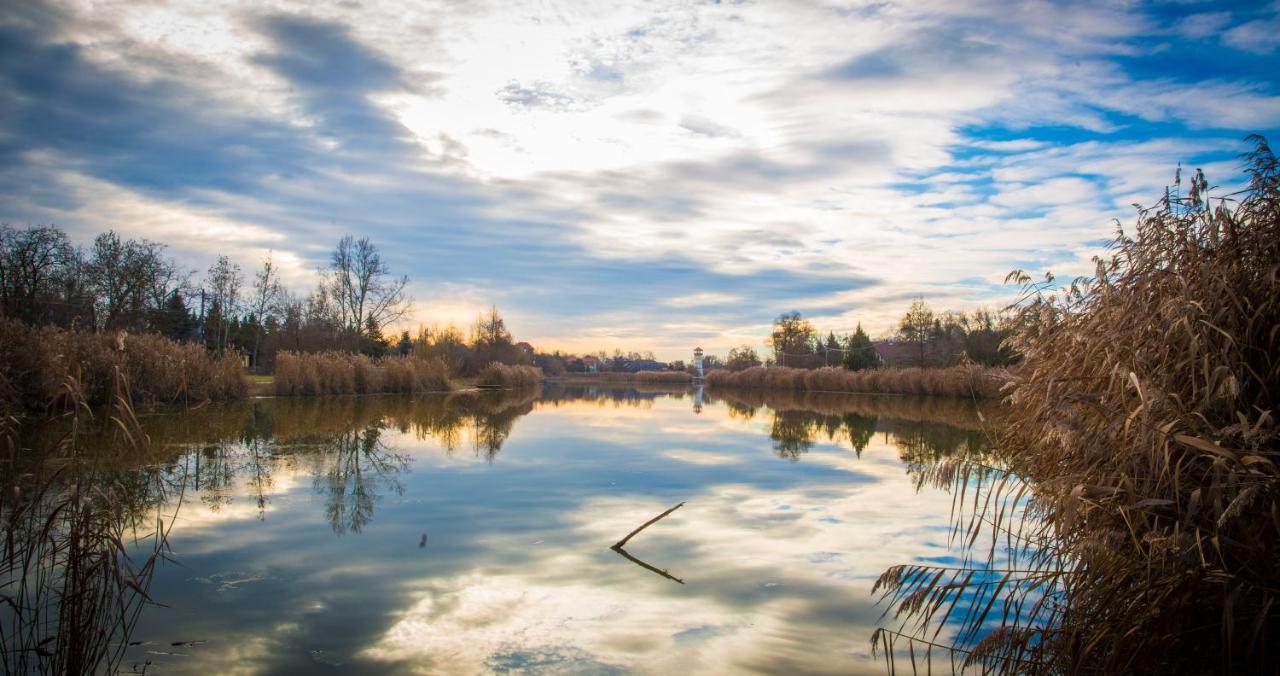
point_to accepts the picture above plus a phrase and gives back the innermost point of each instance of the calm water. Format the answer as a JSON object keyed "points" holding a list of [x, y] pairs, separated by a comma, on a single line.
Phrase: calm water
{"points": [[472, 534]]}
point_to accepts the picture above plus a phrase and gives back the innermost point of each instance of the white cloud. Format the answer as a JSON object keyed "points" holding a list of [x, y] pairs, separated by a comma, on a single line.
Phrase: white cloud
{"points": [[744, 139]]}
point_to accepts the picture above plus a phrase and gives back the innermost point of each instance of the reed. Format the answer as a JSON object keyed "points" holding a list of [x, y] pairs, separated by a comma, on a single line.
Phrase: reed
{"points": [[1142, 443], [36, 362], [509, 377], [322, 373], [663, 378], [72, 588], [956, 381]]}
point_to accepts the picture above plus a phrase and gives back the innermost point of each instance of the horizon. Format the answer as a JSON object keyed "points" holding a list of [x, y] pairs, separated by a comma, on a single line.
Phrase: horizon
{"points": [[616, 178]]}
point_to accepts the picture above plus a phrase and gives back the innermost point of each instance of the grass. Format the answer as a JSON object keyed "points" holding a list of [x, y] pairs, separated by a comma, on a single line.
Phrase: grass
{"points": [[36, 362], [1140, 470], [957, 381], [320, 373]]}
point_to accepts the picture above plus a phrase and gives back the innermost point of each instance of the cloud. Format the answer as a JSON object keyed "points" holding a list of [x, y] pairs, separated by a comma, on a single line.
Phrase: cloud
{"points": [[583, 165], [1257, 36]]}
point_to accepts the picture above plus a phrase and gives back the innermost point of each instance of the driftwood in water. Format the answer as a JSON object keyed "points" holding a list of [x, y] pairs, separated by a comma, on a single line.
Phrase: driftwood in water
{"points": [[644, 565], [621, 543], [617, 547]]}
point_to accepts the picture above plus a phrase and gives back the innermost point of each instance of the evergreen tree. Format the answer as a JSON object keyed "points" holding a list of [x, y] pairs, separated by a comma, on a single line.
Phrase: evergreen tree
{"points": [[861, 354]]}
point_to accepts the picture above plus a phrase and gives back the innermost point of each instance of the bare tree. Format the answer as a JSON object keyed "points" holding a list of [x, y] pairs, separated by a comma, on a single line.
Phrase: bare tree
{"points": [[916, 325], [34, 264], [792, 337], [359, 285], [223, 283], [266, 298], [129, 277]]}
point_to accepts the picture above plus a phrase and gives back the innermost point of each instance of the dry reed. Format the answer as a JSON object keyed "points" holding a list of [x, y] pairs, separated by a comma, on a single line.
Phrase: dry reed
{"points": [[956, 381], [509, 377], [1144, 432], [72, 588], [663, 378], [36, 362], [317, 373]]}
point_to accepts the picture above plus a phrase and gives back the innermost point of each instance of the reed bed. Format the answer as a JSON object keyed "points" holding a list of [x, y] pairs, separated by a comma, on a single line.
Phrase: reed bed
{"points": [[595, 377], [1144, 431], [953, 411], [36, 362], [509, 377], [663, 378], [956, 381], [320, 373]]}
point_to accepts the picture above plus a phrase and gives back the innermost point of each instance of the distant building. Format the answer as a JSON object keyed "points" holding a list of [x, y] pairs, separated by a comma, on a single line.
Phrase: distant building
{"points": [[592, 363], [697, 362]]}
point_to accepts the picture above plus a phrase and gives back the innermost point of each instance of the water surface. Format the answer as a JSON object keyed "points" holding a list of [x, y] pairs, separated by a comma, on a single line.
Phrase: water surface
{"points": [[471, 534]]}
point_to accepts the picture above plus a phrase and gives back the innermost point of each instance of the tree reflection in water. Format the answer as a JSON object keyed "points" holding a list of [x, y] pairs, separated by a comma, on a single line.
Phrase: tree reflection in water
{"points": [[348, 444], [359, 465]]}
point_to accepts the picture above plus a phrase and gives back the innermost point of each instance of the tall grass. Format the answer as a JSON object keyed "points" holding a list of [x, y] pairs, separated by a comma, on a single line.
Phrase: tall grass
{"points": [[345, 373], [35, 363], [1144, 431], [956, 381], [509, 377]]}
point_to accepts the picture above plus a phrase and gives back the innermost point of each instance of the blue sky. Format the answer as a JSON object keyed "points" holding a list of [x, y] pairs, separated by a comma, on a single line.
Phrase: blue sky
{"points": [[643, 176]]}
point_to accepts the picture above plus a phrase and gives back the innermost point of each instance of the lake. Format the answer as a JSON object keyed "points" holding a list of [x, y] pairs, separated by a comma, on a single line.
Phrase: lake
{"points": [[472, 533]]}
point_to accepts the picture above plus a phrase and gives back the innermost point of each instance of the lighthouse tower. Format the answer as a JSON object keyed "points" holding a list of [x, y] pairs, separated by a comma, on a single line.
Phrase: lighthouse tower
{"points": [[697, 361]]}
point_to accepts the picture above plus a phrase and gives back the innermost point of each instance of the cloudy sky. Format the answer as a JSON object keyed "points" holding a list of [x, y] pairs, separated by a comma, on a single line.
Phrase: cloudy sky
{"points": [[639, 175]]}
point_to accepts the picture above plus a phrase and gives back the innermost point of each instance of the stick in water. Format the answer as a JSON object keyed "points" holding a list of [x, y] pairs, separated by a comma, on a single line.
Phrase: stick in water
{"points": [[645, 525]]}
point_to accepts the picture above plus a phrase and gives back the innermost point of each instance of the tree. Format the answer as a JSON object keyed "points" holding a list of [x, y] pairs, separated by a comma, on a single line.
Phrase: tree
{"points": [[358, 284], [174, 320], [861, 353], [266, 299], [223, 283], [791, 339], [984, 338], [831, 350], [916, 326], [34, 266], [128, 277], [740, 358]]}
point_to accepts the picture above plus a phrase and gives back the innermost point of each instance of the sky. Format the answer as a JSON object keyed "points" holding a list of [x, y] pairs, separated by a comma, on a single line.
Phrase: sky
{"points": [[643, 176]]}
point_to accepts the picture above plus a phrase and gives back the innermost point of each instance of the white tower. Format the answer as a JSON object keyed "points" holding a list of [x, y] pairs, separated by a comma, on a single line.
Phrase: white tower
{"points": [[697, 361]]}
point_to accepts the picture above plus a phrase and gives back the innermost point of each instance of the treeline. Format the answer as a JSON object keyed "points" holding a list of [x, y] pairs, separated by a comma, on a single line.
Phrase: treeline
{"points": [[923, 338], [118, 284]]}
